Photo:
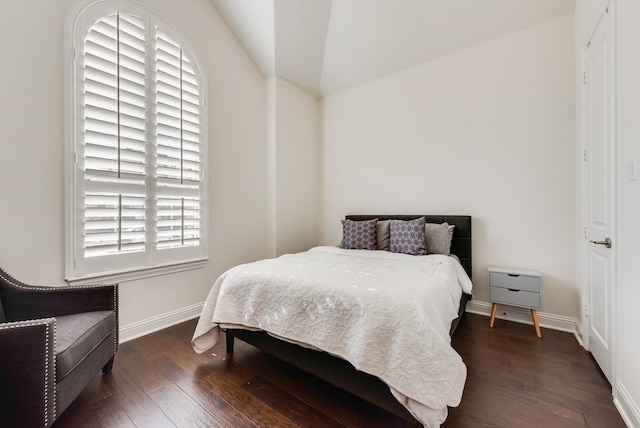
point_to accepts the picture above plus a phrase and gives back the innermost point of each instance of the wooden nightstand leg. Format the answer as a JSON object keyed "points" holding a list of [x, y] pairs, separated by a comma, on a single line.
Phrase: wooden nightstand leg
{"points": [[494, 308], [534, 315]]}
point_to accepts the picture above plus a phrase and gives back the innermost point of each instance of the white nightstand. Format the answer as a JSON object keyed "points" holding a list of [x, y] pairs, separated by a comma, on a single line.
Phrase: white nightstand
{"points": [[515, 287]]}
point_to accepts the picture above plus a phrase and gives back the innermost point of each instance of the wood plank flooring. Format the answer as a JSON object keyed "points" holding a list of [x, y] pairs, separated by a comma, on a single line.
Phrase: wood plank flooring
{"points": [[514, 380]]}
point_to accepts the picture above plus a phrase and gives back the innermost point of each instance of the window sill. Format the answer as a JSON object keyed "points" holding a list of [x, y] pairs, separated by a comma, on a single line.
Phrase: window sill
{"points": [[140, 273]]}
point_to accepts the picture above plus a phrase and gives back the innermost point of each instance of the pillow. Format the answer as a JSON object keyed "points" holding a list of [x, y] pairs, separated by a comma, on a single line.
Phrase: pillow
{"points": [[451, 227], [438, 238], [382, 235], [407, 237], [359, 235]]}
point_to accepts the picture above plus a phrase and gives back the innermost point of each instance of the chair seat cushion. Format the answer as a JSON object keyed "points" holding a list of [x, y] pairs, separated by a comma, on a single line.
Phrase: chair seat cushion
{"points": [[77, 335]]}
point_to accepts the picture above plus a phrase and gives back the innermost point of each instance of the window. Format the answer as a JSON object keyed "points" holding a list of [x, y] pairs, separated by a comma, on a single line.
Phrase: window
{"points": [[137, 155]]}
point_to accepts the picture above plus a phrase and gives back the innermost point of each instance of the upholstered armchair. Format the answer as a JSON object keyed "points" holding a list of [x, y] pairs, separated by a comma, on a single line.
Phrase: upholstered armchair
{"points": [[53, 340]]}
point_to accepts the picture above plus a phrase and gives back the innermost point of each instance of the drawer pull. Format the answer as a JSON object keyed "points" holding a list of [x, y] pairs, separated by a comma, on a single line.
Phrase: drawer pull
{"points": [[512, 289], [513, 274]]}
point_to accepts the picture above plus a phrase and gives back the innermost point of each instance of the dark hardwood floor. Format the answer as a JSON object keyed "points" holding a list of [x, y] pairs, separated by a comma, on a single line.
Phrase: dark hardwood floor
{"points": [[514, 380]]}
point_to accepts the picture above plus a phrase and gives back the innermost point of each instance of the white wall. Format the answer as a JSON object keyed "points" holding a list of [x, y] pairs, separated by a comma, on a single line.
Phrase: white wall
{"points": [[628, 339], [628, 371], [626, 343], [32, 146], [627, 382], [488, 131], [292, 177], [296, 166]]}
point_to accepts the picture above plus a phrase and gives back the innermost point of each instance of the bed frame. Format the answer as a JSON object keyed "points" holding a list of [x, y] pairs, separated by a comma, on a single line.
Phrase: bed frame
{"points": [[340, 372]]}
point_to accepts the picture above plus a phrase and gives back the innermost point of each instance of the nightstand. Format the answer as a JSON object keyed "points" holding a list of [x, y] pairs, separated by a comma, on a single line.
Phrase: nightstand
{"points": [[515, 287]]}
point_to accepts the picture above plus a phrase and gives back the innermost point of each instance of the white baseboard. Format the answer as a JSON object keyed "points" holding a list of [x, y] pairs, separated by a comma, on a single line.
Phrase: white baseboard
{"points": [[153, 324], [521, 315], [628, 408], [509, 313]]}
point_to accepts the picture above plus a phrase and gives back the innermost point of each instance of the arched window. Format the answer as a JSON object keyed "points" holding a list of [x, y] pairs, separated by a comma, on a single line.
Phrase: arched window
{"points": [[137, 155]]}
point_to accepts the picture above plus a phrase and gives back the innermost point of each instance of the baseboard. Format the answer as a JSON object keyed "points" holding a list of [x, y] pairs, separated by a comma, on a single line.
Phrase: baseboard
{"points": [[158, 322], [511, 313], [628, 408]]}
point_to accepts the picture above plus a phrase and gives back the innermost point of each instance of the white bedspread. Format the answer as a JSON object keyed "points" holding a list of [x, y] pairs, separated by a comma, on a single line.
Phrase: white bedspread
{"points": [[388, 314]]}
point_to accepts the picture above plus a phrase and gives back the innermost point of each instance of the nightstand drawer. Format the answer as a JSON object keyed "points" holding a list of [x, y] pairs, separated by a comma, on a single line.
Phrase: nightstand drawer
{"points": [[526, 299], [515, 282]]}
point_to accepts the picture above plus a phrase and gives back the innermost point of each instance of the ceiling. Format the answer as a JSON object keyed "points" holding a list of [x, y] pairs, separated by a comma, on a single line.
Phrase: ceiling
{"points": [[327, 46]]}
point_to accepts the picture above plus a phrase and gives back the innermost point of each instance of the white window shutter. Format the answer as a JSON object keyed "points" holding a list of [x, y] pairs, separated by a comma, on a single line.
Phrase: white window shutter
{"points": [[177, 146], [138, 145], [114, 110]]}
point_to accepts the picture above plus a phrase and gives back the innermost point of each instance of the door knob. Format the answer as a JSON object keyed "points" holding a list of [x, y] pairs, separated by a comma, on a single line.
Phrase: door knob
{"points": [[606, 242]]}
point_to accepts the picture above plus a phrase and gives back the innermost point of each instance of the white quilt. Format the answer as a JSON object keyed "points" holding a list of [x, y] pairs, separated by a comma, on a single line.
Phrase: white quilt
{"points": [[387, 314]]}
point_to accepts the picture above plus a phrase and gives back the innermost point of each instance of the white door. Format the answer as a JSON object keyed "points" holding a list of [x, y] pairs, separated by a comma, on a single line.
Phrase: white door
{"points": [[600, 191]]}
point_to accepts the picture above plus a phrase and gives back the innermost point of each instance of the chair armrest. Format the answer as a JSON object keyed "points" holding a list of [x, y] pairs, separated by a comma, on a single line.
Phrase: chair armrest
{"points": [[23, 301], [27, 373]]}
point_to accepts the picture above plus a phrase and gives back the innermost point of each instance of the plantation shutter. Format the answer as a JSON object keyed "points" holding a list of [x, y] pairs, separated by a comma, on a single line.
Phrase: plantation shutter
{"points": [[114, 115], [138, 146], [177, 145]]}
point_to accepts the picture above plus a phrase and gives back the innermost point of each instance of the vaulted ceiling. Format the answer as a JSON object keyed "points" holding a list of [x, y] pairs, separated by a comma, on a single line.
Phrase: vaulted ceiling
{"points": [[326, 46]]}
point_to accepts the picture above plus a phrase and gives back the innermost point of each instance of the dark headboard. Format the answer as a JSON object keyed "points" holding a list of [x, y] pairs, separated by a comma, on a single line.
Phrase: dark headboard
{"points": [[461, 242]]}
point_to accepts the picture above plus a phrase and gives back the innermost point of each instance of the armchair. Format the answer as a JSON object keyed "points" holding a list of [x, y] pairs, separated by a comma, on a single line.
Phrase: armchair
{"points": [[53, 340]]}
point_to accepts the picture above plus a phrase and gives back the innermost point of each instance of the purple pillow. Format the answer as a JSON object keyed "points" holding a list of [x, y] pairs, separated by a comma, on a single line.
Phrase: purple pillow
{"points": [[359, 235], [407, 237]]}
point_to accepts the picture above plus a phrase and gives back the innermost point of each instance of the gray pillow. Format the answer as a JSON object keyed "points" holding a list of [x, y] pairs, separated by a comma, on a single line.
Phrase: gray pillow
{"points": [[438, 238], [407, 237], [451, 227], [382, 235], [359, 235]]}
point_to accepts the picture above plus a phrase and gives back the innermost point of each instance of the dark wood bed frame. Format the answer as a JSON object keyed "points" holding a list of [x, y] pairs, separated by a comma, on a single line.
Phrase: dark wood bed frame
{"points": [[340, 372]]}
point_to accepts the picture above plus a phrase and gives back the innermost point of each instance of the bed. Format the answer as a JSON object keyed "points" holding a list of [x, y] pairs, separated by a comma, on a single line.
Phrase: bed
{"points": [[351, 365]]}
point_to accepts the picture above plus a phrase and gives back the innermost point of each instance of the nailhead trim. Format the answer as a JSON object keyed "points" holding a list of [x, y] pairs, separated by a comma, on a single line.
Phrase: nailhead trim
{"points": [[21, 324], [115, 312], [55, 374], [46, 375], [12, 281]]}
